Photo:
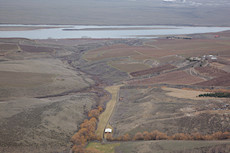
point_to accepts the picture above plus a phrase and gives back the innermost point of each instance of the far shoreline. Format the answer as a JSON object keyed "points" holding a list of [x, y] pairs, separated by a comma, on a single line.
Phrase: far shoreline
{"points": [[92, 24]]}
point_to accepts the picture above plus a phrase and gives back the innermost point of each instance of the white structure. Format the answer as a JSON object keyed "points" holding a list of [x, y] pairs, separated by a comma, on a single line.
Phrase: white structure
{"points": [[213, 58], [195, 59], [108, 130], [210, 57]]}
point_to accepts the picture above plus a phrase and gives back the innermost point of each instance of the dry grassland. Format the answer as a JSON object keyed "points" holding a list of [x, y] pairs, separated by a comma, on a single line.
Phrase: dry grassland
{"points": [[8, 47], [186, 94], [103, 148], [36, 49], [40, 103], [187, 48], [24, 79], [112, 53], [158, 69], [37, 78], [162, 50], [177, 77], [223, 80], [210, 71], [174, 147], [58, 70], [148, 109], [129, 67]]}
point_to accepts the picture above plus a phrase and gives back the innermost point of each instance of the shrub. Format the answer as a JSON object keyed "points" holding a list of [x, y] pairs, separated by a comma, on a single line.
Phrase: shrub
{"points": [[126, 137], [94, 113], [146, 135], [138, 136]]}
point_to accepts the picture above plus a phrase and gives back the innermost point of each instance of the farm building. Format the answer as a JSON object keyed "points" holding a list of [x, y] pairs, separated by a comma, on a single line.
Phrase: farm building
{"points": [[195, 59], [210, 57], [108, 130]]}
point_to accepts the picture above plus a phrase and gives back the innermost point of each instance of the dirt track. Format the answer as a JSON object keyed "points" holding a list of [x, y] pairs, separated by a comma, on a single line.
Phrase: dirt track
{"points": [[106, 115]]}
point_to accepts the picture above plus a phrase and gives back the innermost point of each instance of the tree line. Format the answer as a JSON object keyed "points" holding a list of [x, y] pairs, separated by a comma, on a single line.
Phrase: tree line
{"points": [[156, 135], [217, 94], [87, 130], [86, 133]]}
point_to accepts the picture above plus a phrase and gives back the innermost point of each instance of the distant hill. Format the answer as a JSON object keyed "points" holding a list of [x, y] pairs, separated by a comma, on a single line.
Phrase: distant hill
{"points": [[116, 12]]}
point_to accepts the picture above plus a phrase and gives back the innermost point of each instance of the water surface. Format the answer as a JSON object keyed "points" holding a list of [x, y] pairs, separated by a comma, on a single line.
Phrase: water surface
{"points": [[76, 31]]}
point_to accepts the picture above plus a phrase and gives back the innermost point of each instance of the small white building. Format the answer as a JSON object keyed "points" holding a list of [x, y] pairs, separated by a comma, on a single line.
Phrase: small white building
{"points": [[108, 130], [213, 58], [195, 59], [210, 57]]}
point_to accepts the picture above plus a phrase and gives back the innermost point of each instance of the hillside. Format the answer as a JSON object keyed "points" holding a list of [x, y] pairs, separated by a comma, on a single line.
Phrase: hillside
{"points": [[51, 90], [116, 12]]}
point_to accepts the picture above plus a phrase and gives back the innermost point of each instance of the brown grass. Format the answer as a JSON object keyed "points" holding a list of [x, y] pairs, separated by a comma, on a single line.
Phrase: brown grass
{"points": [[188, 47], [167, 146], [23, 79], [129, 67], [148, 109], [219, 81], [177, 77], [8, 47], [111, 53], [162, 48], [153, 70], [210, 71], [185, 93], [35, 49]]}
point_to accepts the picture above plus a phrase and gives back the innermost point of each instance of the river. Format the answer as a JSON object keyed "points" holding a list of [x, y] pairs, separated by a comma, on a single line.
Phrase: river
{"points": [[77, 31]]}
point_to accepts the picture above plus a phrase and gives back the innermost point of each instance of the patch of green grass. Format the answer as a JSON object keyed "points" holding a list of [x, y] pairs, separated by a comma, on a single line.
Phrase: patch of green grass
{"points": [[104, 148]]}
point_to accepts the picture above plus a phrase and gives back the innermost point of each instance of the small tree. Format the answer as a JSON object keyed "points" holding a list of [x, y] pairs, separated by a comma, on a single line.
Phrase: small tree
{"points": [[138, 136], [126, 137], [100, 108], [109, 137], [180, 136], [153, 135], [78, 149], [146, 135], [94, 113], [197, 136], [161, 136]]}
